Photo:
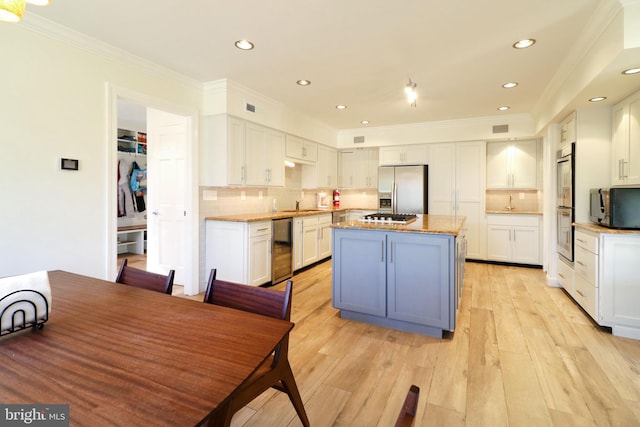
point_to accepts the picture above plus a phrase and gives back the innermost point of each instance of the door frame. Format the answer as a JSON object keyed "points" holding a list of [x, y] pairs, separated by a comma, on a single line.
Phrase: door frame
{"points": [[192, 240]]}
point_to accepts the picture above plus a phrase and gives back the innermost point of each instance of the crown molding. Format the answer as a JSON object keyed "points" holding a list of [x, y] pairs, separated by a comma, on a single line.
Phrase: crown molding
{"points": [[78, 40]]}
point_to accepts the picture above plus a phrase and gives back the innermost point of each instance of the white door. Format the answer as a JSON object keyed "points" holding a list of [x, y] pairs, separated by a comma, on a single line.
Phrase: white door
{"points": [[167, 136]]}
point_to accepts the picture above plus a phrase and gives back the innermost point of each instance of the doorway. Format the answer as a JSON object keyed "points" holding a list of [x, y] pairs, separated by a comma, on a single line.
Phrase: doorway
{"points": [[171, 186]]}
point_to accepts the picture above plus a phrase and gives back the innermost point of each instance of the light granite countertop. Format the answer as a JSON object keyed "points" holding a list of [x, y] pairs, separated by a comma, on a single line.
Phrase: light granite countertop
{"points": [[430, 224], [267, 216], [512, 212], [600, 229]]}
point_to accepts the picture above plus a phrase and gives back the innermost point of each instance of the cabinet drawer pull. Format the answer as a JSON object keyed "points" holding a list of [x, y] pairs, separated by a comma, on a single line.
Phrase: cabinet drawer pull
{"points": [[581, 263], [382, 251], [263, 229], [581, 294], [560, 274]]}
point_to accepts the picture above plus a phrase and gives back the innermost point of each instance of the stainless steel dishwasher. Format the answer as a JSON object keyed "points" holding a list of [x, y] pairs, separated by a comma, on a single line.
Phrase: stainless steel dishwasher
{"points": [[282, 250]]}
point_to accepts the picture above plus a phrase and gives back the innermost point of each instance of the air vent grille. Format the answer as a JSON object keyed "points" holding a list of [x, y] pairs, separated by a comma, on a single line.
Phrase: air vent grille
{"points": [[250, 107], [500, 128], [358, 139]]}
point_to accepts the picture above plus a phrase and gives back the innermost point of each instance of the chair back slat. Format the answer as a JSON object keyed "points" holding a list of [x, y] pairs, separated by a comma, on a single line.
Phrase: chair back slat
{"points": [[145, 279], [268, 302]]}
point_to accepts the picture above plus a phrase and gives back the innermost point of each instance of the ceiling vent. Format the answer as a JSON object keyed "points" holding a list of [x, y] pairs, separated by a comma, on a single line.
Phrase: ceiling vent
{"points": [[249, 107], [501, 129], [358, 139]]}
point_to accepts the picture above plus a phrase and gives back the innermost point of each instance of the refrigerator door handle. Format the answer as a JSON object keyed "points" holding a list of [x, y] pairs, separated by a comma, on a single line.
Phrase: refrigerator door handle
{"points": [[394, 195]]}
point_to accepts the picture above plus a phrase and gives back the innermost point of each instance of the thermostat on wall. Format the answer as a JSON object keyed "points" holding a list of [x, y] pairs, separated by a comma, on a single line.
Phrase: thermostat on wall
{"points": [[69, 164]]}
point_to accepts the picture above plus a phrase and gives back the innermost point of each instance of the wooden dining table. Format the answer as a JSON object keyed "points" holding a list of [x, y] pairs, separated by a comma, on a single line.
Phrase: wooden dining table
{"points": [[124, 356]]}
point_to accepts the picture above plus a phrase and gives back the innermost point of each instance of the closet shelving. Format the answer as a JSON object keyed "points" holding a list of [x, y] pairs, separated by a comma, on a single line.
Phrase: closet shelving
{"points": [[130, 141]]}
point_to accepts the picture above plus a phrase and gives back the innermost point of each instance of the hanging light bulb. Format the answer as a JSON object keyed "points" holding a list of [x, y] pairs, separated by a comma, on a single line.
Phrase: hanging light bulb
{"points": [[11, 10], [412, 94]]}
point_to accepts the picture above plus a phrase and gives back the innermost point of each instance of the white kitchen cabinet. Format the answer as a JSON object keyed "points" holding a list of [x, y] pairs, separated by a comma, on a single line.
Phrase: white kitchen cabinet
{"points": [[619, 285], [586, 261], [324, 173], [512, 165], [417, 154], [625, 169], [456, 187], [358, 168], [298, 243], [264, 156], [513, 238], [324, 236], [568, 130], [312, 239], [301, 150], [222, 151], [236, 152], [565, 275], [240, 251]]}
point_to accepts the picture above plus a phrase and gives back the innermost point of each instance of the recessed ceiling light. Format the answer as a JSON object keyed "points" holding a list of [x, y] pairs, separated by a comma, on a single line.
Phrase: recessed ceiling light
{"points": [[598, 99], [510, 85], [631, 71], [244, 44], [503, 108], [525, 43], [341, 107], [365, 122], [304, 82]]}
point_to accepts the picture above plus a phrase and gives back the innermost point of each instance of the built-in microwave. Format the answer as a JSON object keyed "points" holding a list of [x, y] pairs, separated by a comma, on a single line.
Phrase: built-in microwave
{"points": [[616, 207]]}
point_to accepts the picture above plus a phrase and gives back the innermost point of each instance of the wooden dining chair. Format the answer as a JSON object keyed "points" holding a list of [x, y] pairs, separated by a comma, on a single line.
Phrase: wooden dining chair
{"points": [[145, 279], [276, 371], [408, 412]]}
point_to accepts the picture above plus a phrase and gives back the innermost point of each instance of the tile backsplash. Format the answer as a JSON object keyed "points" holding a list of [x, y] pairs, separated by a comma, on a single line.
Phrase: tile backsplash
{"points": [[526, 200]]}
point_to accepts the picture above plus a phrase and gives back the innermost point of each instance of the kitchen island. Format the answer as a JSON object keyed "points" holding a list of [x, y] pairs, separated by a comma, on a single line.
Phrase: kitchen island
{"points": [[402, 276]]}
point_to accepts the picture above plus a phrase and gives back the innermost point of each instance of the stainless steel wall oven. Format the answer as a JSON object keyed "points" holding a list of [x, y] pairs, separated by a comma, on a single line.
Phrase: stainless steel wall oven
{"points": [[565, 182]]}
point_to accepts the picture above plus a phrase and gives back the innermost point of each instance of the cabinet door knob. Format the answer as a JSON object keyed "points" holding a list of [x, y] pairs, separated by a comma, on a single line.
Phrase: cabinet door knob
{"points": [[155, 212]]}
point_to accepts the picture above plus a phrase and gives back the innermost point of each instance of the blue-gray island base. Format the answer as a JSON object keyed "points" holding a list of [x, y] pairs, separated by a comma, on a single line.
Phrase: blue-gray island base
{"points": [[405, 277]]}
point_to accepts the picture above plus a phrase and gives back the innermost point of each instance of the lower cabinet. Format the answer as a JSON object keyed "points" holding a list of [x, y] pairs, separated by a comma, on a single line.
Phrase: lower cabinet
{"points": [[240, 251], [311, 239], [399, 280], [513, 238], [619, 285], [605, 281]]}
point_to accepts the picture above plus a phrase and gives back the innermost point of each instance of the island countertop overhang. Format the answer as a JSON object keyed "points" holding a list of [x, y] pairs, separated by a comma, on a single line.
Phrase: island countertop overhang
{"points": [[429, 224]]}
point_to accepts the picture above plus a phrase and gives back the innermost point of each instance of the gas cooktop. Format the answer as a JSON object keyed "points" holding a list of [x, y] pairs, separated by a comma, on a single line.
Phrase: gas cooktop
{"points": [[389, 218]]}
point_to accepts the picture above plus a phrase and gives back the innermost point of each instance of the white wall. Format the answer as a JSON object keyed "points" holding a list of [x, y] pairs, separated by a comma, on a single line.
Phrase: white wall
{"points": [[54, 104]]}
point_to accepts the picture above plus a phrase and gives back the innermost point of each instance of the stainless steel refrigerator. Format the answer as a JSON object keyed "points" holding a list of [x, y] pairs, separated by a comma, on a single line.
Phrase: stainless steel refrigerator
{"points": [[403, 189]]}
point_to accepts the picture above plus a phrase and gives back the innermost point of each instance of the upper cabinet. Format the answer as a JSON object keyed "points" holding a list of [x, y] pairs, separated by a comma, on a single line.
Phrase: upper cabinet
{"points": [[358, 168], [264, 156], [236, 152], [512, 165], [625, 154], [404, 155], [568, 130], [301, 150], [324, 173]]}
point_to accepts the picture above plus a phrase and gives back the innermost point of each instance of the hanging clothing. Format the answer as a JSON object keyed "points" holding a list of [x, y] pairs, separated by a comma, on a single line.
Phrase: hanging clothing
{"points": [[125, 195], [139, 186]]}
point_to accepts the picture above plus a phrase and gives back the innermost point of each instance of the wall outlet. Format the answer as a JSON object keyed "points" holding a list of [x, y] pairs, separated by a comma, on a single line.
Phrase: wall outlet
{"points": [[521, 196], [243, 195]]}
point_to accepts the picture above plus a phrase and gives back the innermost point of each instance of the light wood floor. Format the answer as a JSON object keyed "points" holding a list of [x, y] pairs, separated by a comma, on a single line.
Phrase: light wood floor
{"points": [[523, 354]]}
